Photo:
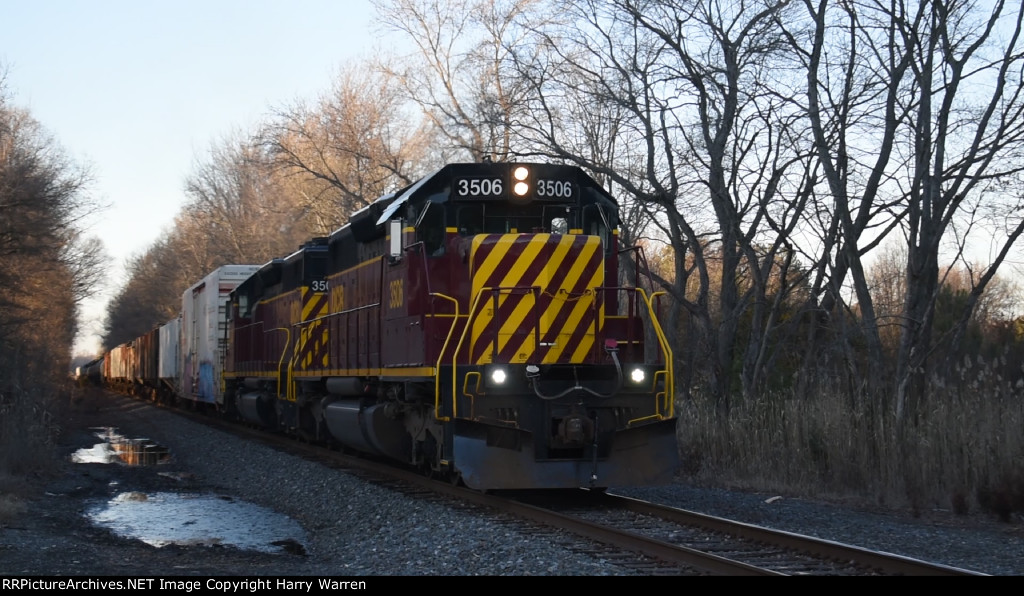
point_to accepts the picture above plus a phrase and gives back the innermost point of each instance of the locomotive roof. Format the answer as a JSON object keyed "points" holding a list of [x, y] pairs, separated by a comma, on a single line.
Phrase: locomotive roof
{"points": [[366, 223], [443, 176], [405, 195]]}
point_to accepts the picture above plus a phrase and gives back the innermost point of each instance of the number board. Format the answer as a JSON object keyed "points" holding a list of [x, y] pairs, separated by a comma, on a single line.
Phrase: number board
{"points": [[497, 188], [555, 189], [479, 188]]}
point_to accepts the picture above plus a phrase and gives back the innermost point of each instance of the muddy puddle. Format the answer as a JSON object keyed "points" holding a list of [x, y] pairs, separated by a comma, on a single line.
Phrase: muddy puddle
{"points": [[187, 519], [161, 519], [117, 448]]}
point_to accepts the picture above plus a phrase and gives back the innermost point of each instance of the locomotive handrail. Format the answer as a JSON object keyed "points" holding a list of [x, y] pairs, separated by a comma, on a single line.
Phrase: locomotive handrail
{"points": [[639, 256], [667, 372], [249, 331], [284, 351], [305, 332], [343, 312], [249, 328], [458, 348], [421, 247], [236, 331], [496, 291], [440, 357], [670, 392], [257, 323]]}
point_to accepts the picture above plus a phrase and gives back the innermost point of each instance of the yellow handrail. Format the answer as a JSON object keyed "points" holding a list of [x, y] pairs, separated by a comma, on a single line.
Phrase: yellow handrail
{"points": [[458, 348], [437, 368], [284, 352], [670, 380], [665, 409], [304, 334]]}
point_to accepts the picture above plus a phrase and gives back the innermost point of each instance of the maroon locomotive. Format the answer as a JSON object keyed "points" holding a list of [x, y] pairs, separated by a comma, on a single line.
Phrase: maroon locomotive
{"points": [[473, 324]]}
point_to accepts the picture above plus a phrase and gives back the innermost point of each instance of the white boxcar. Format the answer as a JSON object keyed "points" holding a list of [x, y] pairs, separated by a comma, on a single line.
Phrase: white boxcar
{"points": [[204, 332], [170, 348]]}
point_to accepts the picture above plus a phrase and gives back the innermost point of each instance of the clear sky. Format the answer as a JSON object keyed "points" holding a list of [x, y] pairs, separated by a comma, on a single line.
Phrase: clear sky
{"points": [[141, 90]]}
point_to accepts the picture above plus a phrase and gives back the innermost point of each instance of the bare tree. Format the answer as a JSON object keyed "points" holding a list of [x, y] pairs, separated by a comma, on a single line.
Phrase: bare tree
{"points": [[854, 104], [47, 267], [458, 71], [352, 146], [240, 210], [151, 294], [968, 131], [708, 143], [237, 210], [257, 197], [916, 111], [44, 200]]}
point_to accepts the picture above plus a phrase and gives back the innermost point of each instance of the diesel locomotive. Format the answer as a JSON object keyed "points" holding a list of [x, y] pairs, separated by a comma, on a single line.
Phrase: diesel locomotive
{"points": [[476, 324]]}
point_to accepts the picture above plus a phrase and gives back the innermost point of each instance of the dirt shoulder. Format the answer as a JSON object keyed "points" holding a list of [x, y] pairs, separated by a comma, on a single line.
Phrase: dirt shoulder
{"points": [[54, 537]]}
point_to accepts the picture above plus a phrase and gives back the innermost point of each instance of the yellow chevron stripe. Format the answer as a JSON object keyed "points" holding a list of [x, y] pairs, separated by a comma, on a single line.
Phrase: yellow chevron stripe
{"points": [[556, 290], [579, 307], [527, 302], [574, 320], [511, 278], [587, 341], [313, 306], [314, 336], [550, 286]]}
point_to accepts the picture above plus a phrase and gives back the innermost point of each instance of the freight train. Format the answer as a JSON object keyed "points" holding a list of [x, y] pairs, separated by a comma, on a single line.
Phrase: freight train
{"points": [[472, 324]]}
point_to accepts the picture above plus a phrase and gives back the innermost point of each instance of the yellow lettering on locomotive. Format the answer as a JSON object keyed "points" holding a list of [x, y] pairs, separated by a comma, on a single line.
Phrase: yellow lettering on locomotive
{"points": [[337, 298], [397, 294]]}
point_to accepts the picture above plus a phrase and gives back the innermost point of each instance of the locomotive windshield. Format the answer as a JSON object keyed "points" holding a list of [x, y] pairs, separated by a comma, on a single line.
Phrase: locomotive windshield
{"points": [[500, 218]]}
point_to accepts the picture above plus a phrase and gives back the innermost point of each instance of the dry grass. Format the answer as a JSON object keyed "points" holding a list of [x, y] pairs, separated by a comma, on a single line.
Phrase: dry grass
{"points": [[28, 429], [962, 452]]}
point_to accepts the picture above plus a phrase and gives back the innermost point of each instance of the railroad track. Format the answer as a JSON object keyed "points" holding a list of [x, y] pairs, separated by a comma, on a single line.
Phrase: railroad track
{"points": [[650, 538], [720, 546]]}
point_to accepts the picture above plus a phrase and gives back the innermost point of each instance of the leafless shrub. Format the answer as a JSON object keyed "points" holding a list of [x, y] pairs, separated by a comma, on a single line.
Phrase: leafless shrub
{"points": [[962, 453]]}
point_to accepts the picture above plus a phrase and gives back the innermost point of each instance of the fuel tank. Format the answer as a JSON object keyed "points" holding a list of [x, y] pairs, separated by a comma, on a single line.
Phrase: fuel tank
{"points": [[369, 429]]}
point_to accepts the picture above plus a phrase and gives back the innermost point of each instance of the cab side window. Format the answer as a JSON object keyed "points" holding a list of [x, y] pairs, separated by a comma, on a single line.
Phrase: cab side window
{"points": [[431, 230]]}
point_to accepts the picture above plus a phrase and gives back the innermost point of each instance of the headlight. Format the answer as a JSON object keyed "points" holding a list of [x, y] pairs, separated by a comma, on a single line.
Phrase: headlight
{"points": [[498, 376], [521, 188], [637, 375]]}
